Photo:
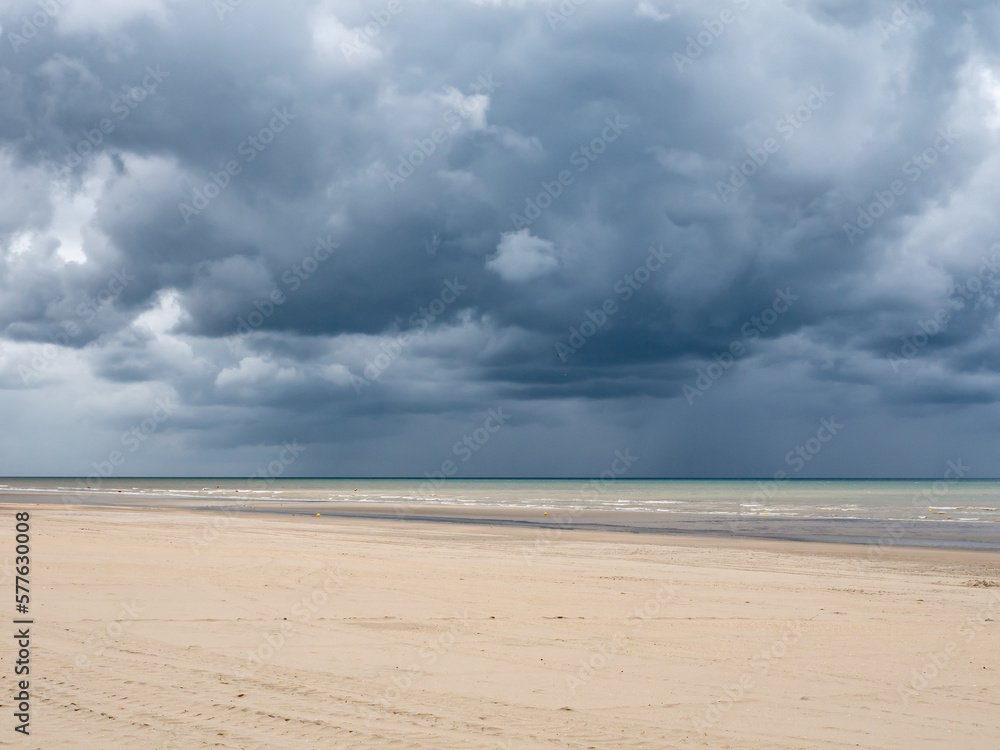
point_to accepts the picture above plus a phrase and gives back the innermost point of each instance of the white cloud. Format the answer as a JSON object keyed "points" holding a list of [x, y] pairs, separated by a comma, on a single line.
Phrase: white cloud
{"points": [[646, 9], [335, 42], [472, 109], [521, 257]]}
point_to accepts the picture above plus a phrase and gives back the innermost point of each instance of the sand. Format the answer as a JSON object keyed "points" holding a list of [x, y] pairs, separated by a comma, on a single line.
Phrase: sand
{"points": [[178, 629]]}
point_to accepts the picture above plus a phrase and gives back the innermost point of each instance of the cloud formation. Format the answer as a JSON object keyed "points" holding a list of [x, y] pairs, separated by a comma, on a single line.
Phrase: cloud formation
{"points": [[521, 257], [246, 209]]}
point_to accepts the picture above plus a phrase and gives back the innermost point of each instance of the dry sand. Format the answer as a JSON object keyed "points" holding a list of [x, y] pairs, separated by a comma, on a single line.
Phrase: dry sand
{"points": [[415, 635]]}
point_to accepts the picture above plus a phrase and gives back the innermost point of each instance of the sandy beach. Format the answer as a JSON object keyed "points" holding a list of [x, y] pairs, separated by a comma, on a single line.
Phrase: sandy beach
{"points": [[180, 629]]}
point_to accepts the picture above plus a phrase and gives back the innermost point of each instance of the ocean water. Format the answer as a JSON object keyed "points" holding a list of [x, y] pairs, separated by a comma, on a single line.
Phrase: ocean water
{"points": [[970, 501]]}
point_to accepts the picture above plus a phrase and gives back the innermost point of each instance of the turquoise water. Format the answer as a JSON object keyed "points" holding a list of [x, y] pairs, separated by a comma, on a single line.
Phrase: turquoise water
{"points": [[955, 501]]}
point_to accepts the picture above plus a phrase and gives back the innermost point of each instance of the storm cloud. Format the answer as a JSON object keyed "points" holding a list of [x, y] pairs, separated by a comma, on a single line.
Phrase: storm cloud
{"points": [[690, 229]]}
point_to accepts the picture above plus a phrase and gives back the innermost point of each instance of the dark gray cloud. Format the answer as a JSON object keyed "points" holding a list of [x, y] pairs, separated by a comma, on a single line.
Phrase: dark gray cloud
{"points": [[690, 229]]}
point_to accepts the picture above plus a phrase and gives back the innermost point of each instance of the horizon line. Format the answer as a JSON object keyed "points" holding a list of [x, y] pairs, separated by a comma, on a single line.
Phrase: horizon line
{"points": [[496, 479]]}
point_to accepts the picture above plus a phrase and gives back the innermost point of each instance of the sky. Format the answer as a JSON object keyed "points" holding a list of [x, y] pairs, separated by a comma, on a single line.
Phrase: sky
{"points": [[499, 239]]}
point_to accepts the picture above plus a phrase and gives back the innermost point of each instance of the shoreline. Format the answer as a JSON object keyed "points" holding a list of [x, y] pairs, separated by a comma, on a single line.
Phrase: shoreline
{"points": [[882, 534], [879, 534]]}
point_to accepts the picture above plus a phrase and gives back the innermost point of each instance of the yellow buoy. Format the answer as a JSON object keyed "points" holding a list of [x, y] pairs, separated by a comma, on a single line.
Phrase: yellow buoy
{"points": [[317, 515]]}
